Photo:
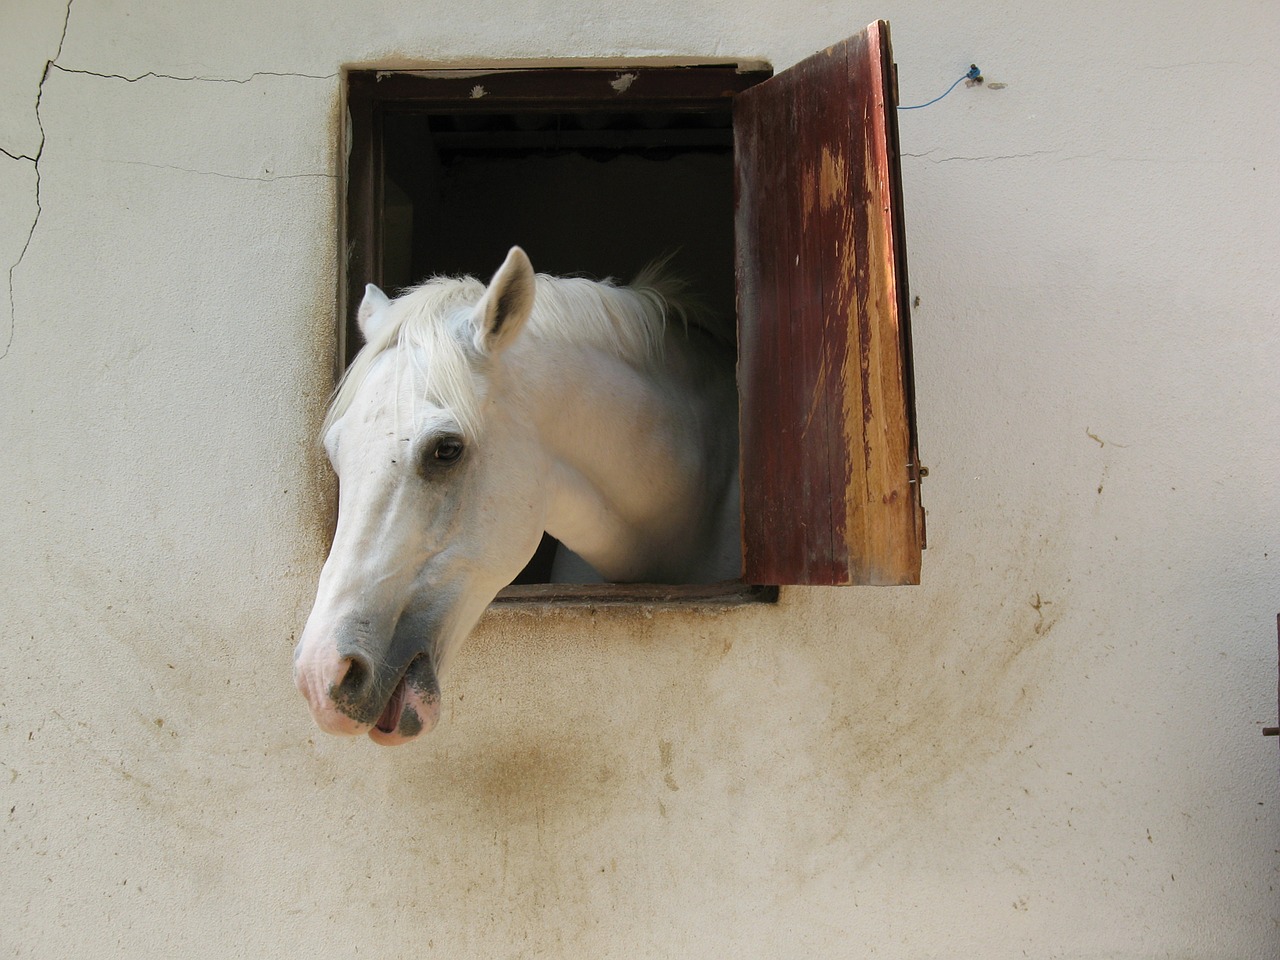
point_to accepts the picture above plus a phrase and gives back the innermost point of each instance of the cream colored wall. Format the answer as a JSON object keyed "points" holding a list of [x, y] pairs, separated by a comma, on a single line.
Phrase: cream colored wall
{"points": [[1050, 749]]}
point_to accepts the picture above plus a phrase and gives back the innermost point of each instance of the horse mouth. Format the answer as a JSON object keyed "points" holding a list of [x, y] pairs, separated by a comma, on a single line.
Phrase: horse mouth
{"points": [[390, 719], [413, 708]]}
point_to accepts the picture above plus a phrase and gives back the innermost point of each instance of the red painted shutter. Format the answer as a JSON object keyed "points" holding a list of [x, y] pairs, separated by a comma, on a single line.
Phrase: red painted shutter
{"points": [[830, 475]]}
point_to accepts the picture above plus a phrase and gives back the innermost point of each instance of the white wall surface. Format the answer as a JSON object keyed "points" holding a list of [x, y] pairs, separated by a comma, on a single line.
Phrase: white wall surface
{"points": [[1049, 749]]}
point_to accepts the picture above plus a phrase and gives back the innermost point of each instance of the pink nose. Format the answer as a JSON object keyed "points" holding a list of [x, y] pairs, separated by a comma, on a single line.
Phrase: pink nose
{"points": [[327, 679]]}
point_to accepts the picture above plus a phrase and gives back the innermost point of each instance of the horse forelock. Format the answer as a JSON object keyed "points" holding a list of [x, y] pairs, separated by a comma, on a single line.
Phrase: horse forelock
{"points": [[426, 333], [429, 331]]}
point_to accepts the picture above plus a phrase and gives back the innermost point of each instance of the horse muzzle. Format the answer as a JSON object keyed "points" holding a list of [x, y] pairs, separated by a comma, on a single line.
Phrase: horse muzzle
{"points": [[351, 691]]}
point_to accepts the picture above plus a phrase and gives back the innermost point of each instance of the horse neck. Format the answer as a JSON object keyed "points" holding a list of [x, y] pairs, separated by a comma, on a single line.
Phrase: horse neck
{"points": [[638, 459]]}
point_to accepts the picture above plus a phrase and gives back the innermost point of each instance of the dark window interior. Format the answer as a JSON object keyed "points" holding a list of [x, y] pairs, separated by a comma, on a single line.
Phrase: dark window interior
{"points": [[596, 193]]}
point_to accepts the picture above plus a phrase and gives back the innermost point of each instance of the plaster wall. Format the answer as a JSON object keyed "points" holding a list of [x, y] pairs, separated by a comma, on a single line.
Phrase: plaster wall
{"points": [[1049, 749]]}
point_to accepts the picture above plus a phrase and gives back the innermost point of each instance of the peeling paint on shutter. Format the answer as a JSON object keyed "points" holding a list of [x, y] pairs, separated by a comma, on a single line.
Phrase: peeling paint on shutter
{"points": [[830, 475]]}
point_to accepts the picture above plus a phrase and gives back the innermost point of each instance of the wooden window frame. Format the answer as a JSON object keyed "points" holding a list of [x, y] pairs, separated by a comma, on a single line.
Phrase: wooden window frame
{"points": [[861, 401]]}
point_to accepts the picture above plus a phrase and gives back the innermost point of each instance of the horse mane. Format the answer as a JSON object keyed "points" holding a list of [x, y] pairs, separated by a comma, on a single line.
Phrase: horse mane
{"points": [[429, 331]]}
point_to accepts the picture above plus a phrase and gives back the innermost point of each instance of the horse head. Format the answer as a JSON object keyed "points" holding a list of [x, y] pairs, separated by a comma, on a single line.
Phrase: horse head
{"points": [[441, 503]]}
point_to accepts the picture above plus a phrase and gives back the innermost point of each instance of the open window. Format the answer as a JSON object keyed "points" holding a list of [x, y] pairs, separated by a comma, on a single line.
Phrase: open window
{"points": [[782, 199]]}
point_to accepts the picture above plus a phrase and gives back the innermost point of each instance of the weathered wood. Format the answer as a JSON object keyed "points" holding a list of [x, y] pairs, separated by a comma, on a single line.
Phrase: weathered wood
{"points": [[680, 88], [630, 594], [829, 471]]}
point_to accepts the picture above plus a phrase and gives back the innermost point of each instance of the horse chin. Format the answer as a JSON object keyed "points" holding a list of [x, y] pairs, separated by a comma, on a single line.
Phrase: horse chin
{"points": [[414, 707]]}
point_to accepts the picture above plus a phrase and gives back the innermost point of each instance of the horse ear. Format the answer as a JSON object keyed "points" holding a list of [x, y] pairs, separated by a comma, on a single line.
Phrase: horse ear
{"points": [[371, 315], [506, 305]]}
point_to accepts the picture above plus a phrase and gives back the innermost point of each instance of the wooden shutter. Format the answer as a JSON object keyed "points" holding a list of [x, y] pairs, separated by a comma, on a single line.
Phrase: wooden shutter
{"points": [[830, 475]]}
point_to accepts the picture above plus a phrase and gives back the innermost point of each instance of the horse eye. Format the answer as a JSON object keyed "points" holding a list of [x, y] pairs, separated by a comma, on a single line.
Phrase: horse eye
{"points": [[447, 450]]}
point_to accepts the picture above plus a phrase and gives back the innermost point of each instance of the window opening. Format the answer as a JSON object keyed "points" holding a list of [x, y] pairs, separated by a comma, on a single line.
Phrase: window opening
{"points": [[594, 172], [780, 198]]}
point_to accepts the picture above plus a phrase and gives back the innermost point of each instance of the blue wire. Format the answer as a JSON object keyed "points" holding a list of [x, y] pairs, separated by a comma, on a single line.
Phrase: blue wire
{"points": [[973, 73]]}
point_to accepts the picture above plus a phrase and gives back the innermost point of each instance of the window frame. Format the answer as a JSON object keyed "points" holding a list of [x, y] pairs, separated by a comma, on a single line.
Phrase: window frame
{"points": [[370, 93]]}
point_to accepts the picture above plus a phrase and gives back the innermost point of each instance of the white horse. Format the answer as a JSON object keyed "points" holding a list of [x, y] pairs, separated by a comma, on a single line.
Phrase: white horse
{"points": [[473, 420]]}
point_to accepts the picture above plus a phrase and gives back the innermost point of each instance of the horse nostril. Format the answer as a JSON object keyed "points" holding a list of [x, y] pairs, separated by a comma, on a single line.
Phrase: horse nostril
{"points": [[353, 681]]}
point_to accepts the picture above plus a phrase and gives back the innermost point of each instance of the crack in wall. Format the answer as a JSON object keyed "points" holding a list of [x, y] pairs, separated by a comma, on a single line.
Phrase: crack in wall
{"points": [[270, 178], [35, 163], [1103, 155], [152, 75], [929, 156], [51, 65]]}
